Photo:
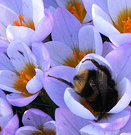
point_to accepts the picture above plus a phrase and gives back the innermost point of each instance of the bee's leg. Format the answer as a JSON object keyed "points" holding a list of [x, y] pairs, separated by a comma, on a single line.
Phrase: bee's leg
{"points": [[100, 67], [100, 116], [62, 80]]}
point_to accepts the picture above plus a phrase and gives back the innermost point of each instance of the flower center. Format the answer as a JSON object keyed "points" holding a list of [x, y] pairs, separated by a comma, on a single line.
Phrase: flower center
{"points": [[47, 132], [123, 22], [76, 57], [24, 77], [127, 26], [77, 9], [21, 22], [0, 128]]}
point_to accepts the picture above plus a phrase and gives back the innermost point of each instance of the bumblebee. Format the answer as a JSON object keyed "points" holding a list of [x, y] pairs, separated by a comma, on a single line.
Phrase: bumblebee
{"points": [[96, 86]]}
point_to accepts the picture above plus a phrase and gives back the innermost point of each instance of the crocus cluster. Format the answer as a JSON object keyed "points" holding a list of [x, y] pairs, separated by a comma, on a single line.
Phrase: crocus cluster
{"points": [[65, 67]]}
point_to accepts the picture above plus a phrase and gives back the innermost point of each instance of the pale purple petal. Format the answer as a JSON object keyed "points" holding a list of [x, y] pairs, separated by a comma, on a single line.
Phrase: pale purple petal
{"points": [[66, 28], [120, 60], [7, 80], [35, 117], [90, 40], [50, 125], [127, 127], [114, 121], [6, 112], [120, 39], [72, 100], [20, 100], [90, 129], [107, 47], [55, 88], [44, 27], [36, 83], [20, 55], [11, 126], [68, 123], [5, 63], [59, 52], [41, 55]]}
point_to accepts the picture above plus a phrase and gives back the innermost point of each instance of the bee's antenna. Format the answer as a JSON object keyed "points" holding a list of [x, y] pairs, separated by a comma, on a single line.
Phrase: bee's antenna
{"points": [[62, 80]]}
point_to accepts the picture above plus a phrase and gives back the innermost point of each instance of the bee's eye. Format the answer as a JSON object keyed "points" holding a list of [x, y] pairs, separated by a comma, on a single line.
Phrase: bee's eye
{"points": [[76, 77]]}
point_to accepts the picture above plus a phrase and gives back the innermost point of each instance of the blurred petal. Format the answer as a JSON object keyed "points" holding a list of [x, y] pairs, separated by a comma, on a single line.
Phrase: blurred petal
{"points": [[94, 130], [68, 123], [6, 112], [11, 126], [114, 121], [19, 99], [55, 88]]}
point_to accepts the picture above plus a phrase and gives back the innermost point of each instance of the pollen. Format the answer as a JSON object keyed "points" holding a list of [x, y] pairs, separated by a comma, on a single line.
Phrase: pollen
{"points": [[127, 25], [77, 9], [78, 56], [24, 77], [20, 22]]}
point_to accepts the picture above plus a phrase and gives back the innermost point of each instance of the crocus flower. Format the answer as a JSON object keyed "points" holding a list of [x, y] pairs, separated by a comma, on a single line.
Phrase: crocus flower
{"points": [[116, 23], [71, 42], [22, 71], [36, 121], [30, 23], [72, 99], [7, 119], [75, 7]]}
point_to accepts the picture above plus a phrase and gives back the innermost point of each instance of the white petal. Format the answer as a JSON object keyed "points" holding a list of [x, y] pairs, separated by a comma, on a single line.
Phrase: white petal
{"points": [[20, 55], [102, 21], [72, 99], [27, 130], [7, 80], [12, 33], [36, 83]]}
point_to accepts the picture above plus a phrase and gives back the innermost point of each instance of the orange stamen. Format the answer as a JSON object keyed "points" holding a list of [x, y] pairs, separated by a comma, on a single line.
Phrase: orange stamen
{"points": [[78, 56], [24, 78], [127, 25], [77, 9], [20, 22]]}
